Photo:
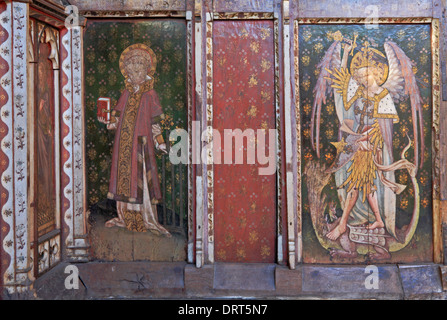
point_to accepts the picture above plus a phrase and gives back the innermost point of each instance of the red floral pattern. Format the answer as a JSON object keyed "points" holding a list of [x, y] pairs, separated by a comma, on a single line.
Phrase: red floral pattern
{"points": [[243, 98]]}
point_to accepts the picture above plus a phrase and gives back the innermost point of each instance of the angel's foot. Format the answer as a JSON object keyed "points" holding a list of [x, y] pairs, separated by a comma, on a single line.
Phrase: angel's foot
{"points": [[375, 225], [337, 232]]}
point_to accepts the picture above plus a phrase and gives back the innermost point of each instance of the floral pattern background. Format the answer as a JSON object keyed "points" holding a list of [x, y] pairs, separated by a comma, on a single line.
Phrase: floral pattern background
{"points": [[103, 44], [415, 41], [244, 98]]}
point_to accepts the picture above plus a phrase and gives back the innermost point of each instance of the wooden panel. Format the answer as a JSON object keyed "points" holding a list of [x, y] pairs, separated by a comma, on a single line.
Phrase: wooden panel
{"points": [[244, 95], [329, 154]]}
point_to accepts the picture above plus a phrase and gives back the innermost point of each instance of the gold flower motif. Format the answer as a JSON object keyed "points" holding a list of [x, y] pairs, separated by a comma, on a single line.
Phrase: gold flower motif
{"points": [[307, 35], [306, 85], [254, 46], [240, 253], [221, 254], [252, 112], [265, 96], [307, 107], [415, 69], [401, 34], [265, 33], [253, 236], [305, 60], [264, 125], [265, 251], [244, 33], [423, 58], [306, 133], [253, 81], [318, 47], [104, 189], [253, 206], [229, 239], [242, 221], [91, 154], [265, 65], [221, 60], [404, 203]]}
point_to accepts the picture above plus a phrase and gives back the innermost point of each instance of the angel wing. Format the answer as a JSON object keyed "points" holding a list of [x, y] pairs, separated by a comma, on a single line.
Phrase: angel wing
{"points": [[401, 83], [322, 90]]}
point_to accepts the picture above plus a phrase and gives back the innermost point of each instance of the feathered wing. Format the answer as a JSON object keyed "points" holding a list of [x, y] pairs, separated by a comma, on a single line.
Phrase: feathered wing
{"points": [[322, 90], [401, 83]]}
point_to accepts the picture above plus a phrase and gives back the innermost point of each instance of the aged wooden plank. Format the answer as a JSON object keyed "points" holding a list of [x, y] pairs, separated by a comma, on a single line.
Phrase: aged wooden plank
{"points": [[243, 6], [130, 5], [363, 8]]}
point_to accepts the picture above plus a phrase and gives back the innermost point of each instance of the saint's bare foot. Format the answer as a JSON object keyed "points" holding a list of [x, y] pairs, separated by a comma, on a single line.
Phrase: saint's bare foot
{"points": [[377, 224], [337, 232]]}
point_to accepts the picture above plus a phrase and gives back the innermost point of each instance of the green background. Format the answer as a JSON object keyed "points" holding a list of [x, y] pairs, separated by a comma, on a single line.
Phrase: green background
{"points": [[103, 44]]}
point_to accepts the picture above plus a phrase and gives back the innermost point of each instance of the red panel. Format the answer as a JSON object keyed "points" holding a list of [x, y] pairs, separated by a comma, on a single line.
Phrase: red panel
{"points": [[243, 98]]}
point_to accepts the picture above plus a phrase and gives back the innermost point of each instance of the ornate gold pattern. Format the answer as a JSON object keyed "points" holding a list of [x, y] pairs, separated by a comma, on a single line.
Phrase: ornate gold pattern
{"points": [[134, 220], [299, 243], [437, 247], [243, 15], [363, 169]]}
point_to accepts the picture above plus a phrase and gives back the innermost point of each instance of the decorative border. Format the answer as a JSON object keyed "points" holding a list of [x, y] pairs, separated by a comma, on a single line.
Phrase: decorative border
{"points": [[131, 6], [72, 152], [7, 174], [279, 220], [132, 14], [20, 143], [436, 100], [190, 93], [14, 146], [66, 139], [210, 144], [242, 15], [299, 240], [199, 254], [290, 209], [362, 20]]}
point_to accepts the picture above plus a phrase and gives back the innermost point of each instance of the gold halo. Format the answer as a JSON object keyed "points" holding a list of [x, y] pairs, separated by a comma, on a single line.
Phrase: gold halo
{"points": [[138, 46], [358, 62]]}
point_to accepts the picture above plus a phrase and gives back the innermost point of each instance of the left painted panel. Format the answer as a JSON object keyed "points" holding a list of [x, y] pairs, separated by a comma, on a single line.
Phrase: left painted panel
{"points": [[137, 198]]}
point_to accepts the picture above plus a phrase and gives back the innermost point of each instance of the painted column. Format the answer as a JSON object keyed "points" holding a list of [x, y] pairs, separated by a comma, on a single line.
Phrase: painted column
{"points": [[72, 147], [16, 264]]}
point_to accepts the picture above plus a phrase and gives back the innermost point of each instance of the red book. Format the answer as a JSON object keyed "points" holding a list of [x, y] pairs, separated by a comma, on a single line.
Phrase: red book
{"points": [[103, 108]]}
